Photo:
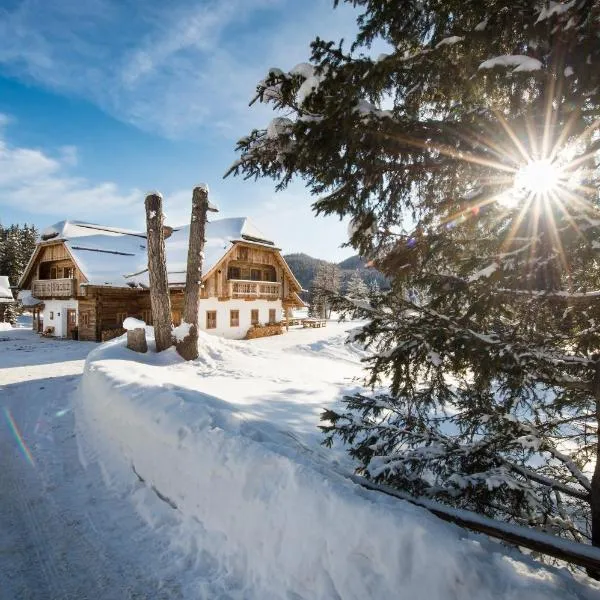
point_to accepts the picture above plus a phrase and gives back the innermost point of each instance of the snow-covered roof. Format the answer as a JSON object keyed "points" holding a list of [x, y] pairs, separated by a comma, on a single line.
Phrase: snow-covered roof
{"points": [[5, 294], [219, 236], [105, 255], [117, 257], [27, 299]]}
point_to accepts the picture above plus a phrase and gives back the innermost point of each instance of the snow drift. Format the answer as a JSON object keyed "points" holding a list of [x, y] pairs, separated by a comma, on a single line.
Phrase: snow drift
{"points": [[264, 514]]}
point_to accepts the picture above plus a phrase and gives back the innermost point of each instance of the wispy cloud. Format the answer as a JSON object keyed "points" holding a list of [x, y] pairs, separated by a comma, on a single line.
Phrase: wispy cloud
{"points": [[171, 68], [32, 180]]}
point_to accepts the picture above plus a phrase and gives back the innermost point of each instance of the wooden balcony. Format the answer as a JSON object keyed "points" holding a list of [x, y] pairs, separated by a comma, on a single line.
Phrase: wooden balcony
{"points": [[54, 288], [264, 290]]}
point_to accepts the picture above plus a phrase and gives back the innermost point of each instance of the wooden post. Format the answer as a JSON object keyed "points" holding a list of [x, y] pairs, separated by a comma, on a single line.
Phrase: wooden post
{"points": [[157, 271], [188, 346]]}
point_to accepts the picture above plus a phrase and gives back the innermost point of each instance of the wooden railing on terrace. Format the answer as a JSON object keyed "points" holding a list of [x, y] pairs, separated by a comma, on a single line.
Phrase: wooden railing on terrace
{"points": [[241, 288], [51, 288]]}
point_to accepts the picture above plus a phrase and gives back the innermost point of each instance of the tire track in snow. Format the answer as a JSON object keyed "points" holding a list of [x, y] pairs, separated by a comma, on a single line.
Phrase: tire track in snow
{"points": [[63, 536]]}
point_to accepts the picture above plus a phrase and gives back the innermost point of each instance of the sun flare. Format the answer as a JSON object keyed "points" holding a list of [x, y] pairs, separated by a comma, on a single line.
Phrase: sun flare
{"points": [[538, 177]]}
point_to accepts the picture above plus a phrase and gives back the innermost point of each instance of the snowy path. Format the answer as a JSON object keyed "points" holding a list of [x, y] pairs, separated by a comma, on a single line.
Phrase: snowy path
{"points": [[62, 534]]}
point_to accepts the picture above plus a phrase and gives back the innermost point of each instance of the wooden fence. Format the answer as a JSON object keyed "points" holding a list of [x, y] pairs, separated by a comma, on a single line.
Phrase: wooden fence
{"points": [[551, 545]]}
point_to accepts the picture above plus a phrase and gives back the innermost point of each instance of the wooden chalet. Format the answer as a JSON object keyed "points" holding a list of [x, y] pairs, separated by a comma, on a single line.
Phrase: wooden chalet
{"points": [[83, 280]]}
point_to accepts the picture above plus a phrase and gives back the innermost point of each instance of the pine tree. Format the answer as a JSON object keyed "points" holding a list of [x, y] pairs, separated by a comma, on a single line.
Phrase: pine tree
{"points": [[374, 289], [16, 247], [356, 288], [326, 285], [10, 314], [467, 158]]}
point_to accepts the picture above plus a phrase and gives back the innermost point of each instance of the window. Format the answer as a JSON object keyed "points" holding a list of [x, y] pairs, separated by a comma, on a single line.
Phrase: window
{"points": [[84, 319], [254, 316], [255, 274], [53, 273], [59, 272], [121, 316], [269, 274], [68, 272], [242, 253], [51, 314], [234, 318], [272, 315], [234, 273], [211, 319]]}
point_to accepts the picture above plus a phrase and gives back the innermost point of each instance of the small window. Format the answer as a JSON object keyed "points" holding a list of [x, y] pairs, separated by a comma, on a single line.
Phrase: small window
{"points": [[51, 314], [211, 319], [255, 275], [234, 318], [84, 319], [254, 316], [68, 273], [272, 315], [234, 273], [242, 253]]}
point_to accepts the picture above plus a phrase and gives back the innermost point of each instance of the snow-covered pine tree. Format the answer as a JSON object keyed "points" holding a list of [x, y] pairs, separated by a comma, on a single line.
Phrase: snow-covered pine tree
{"points": [[467, 157], [356, 288], [17, 244], [374, 289], [326, 284], [10, 314]]}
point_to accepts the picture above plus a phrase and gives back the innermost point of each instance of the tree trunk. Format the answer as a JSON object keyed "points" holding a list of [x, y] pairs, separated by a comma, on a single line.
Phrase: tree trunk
{"points": [[136, 340], [157, 270], [595, 485], [188, 346]]}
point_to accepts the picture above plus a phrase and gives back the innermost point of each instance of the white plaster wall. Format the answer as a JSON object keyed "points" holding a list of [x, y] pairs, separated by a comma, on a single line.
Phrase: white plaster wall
{"points": [[59, 308], [223, 308]]}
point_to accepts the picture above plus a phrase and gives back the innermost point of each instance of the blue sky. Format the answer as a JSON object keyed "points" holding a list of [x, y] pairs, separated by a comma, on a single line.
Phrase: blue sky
{"points": [[103, 100]]}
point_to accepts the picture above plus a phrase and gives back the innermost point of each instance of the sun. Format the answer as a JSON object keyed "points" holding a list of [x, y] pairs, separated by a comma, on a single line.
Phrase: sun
{"points": [[536, 179]]}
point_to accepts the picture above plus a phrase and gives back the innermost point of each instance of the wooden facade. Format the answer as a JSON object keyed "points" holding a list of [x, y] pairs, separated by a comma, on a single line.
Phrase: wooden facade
{"points": [[246, 272]]}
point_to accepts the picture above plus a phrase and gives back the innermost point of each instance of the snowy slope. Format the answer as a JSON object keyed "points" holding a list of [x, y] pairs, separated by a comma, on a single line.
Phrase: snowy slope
{"points": [[229, 446]]}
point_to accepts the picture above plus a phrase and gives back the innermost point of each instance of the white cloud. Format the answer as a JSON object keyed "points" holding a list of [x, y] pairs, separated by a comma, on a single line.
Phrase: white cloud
{"points": [[170, 68], [34, 181], [31, 180]]}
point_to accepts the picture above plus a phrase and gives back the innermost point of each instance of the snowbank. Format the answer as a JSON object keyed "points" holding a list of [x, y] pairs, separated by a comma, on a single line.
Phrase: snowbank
{"points": [[260, 511], [5, 326]]}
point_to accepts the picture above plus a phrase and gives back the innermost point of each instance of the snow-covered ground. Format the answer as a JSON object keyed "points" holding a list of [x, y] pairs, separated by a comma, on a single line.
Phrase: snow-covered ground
{"points": [[63, 534], [221, 458]]}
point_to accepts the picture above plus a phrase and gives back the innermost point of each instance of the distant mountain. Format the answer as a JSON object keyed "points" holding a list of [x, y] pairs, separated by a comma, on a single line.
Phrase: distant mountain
{"points": [[352, 263], [305, 268]]}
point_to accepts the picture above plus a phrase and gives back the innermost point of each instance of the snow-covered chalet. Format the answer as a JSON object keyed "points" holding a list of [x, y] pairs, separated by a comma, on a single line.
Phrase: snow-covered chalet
{"points": [[88, 278]]}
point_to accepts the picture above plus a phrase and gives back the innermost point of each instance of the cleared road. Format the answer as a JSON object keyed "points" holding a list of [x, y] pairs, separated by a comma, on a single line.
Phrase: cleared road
{"points": [[63, 535]]}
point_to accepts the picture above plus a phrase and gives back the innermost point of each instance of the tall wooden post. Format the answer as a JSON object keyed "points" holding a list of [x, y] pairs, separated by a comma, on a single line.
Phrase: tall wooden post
{"points": [[188, 346], [157, 270]]}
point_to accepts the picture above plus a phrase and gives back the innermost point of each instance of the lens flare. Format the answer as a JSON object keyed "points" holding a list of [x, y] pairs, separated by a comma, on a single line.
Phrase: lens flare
{"points": [[19, 437]]}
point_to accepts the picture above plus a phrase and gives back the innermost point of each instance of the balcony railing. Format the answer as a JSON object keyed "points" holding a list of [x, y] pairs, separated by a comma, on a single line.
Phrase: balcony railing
{"points": [[54, 288], [241, 288]]}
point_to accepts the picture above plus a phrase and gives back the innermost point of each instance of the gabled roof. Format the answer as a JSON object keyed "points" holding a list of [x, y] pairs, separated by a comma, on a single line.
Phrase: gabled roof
{"points": [[6, 296], [220, 235], [117, 257]]}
